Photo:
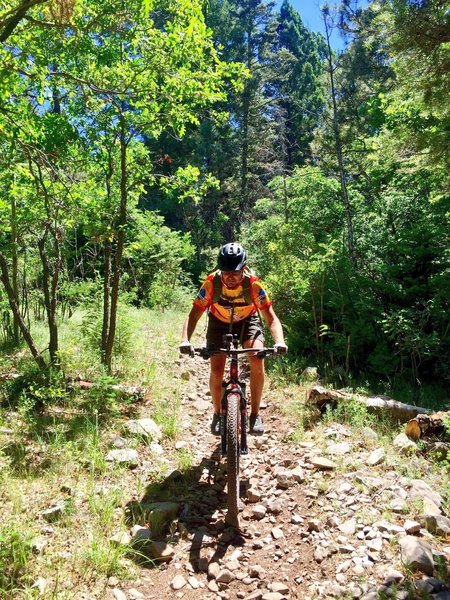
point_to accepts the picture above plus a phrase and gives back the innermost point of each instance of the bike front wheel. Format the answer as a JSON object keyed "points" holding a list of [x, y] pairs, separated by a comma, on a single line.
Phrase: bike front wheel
{"points": [[232, 433]]}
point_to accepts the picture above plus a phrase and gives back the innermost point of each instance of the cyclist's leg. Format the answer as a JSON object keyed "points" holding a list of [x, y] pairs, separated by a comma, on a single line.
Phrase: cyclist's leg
{"points": [[215, 379], [214, 334], [253, 337], [256, 375]]}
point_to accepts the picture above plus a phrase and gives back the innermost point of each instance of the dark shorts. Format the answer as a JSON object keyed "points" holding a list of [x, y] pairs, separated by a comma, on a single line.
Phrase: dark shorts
{"points": [[247, 329]]}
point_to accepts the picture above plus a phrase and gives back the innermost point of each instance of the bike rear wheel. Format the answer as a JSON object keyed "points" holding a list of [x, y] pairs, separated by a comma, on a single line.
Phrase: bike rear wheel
{"points": [[233, 404]]}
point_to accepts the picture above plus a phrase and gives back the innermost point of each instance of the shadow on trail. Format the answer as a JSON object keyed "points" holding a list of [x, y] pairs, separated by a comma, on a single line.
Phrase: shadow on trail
{"points": [[189, 508]]}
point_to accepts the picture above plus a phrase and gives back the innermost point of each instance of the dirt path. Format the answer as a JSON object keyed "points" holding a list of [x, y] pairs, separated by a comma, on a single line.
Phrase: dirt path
{"points": [[321, 518]]}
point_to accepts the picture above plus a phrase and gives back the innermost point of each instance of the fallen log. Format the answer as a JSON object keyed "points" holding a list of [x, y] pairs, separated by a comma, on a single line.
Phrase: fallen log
{"points": [[323, 397], [426, 425]]}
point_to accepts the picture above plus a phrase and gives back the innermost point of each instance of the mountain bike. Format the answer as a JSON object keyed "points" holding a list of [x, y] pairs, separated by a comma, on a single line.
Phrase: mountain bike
{"points": [[233, 417]]}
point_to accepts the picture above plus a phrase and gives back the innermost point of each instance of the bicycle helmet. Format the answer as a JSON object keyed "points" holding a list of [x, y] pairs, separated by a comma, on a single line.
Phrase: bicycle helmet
{"points": [[232, 257]]}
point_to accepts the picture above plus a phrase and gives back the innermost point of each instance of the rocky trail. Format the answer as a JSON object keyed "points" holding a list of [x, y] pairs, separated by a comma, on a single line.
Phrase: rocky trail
{"points": [[332, 516]]}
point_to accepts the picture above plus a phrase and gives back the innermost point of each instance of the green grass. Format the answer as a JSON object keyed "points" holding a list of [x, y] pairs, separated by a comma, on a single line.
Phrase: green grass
{"points": [[56, 448], [15, 556]]}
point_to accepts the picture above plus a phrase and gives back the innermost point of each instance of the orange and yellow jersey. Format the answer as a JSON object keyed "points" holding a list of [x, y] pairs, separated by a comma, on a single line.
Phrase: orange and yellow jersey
{"points": [[232, 305]]}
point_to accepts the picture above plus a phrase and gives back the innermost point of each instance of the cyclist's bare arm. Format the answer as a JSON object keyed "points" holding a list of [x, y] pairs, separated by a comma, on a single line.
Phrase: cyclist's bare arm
{"points": [[274, 324], [191, 322]]}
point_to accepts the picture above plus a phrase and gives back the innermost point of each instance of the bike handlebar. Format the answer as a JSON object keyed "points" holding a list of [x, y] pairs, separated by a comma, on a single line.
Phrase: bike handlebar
{"points": [[258, 352]]}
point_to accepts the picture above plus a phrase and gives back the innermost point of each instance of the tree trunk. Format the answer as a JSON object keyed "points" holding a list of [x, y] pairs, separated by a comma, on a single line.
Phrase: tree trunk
{"points": [[338, 144], [16, 312], [15, 267], [106, 297], [243, 205], [50, 285], [119, 247]]}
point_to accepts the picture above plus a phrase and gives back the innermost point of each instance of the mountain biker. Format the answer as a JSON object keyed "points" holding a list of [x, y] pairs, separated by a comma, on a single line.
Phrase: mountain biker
{"points": [[234, 298]]}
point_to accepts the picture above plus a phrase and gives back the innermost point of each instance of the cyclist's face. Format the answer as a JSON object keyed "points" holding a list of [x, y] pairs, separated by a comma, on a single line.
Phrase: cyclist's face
{"points": [[232, 278]]}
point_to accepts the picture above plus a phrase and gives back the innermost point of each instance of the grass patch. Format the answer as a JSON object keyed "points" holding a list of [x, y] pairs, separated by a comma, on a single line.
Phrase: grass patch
{"points": [[15, 555]]}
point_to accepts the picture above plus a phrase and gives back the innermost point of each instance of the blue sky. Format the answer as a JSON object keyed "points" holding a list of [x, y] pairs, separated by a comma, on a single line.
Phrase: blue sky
{"points": [[310, 13]]}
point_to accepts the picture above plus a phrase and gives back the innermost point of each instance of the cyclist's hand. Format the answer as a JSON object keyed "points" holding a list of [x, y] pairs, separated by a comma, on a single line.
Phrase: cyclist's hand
{"points": [[186, 348], [280, 348]]}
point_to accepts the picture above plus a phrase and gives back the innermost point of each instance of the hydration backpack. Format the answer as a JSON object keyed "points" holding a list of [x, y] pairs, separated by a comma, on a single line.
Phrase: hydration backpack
{"points": [[249, 278]]}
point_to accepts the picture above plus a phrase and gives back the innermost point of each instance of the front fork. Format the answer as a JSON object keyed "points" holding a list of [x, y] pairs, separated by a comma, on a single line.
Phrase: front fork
{"points": [[244, 417]]}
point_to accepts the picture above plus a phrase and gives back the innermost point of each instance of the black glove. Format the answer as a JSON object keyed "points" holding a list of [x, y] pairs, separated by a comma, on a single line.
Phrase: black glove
{"points": [[280, 348], [186, 348]]}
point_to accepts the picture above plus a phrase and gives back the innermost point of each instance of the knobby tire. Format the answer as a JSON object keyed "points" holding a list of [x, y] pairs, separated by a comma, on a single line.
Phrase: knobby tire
{"points": [[233, 460]]}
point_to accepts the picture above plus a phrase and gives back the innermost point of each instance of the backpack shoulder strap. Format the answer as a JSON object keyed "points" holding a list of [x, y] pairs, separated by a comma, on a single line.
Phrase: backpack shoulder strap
{"points": [[249, 278], [217, 283]]}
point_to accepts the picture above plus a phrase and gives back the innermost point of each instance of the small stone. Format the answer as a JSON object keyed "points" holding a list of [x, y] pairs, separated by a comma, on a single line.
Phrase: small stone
{"points": [[393, 577], [369, 435], [430, 507], [276, 505], [375, 545], [376, 457], [253, 495], [296, 519], [257, 571], [277, 533], [339, 449], [348, 527], [322, 464], [398, 506], [194, 583], [298, 474], [144, 427], [161, 551], [141, 536], [128, 456], [213, 569], [437, 525], [314, 525], [54, 512], [420, 489], [279, 587], [121, 539], [224, 576], [273, 596], [403, 443], [417, 553], [178, 582], [258, 512], [411, 527], [118, 594], [256, 595]]}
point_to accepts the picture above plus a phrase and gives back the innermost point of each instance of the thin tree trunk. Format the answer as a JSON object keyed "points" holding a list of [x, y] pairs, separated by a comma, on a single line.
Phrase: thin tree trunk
{"points": [[50, 284], [15, 267], [119, 247], [338, 143], [106, 296], [15, 309], [245, 134]]}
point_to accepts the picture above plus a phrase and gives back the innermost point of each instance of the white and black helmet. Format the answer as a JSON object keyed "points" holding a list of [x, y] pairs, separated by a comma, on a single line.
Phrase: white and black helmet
{"points": [[232, 257]]}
